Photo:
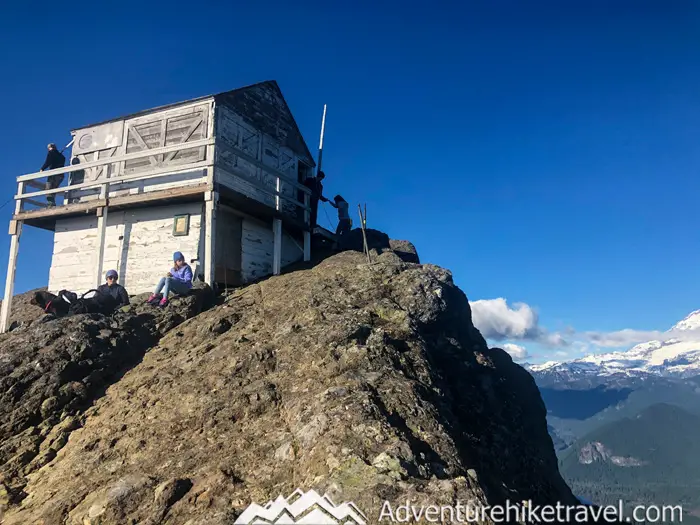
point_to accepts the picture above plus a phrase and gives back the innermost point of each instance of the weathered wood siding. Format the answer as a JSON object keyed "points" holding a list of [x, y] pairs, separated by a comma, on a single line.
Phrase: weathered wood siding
{"points": [[258, 240], [251, 159], [264, 108], [138, 244], [176, 125]]}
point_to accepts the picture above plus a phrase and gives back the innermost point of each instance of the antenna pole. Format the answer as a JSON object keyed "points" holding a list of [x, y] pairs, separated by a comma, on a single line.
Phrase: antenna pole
{"points": [[320, 144], [68, 145]]}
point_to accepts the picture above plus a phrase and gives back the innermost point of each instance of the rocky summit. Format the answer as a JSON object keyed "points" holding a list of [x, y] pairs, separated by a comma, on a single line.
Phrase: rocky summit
{"points": [[365, 382]]}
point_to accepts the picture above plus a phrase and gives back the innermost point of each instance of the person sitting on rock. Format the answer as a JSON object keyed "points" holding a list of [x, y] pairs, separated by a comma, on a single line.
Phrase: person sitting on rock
{"points": [[177, 280], [114, 289]]}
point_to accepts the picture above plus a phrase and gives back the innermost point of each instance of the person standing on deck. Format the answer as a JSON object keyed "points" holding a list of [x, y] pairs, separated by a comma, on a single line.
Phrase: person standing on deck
{"points": [[315, 184], [54, 159], [75, 177]]}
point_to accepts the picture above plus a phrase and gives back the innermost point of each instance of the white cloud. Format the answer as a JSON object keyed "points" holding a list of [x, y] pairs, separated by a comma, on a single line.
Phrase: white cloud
{"points": [[517, 352], [498, 321]]}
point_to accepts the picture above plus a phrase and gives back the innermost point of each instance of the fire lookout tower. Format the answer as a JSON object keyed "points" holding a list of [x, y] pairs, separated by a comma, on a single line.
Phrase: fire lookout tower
{"points": [[217, 178]]}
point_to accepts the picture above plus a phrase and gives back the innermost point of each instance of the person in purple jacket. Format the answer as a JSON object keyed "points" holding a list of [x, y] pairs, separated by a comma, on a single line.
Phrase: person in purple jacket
{"points": [[178, 280]]}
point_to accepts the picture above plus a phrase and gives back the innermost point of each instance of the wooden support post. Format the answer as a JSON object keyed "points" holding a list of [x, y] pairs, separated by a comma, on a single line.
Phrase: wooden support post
{"points": [[307, 234], [15, 232], [277, 194], [101, 234], [19, 205], [277, 247], [101, 229], [211, 198]]}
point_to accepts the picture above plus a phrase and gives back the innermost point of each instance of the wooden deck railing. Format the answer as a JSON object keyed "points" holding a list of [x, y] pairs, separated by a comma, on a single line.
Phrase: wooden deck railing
{"points": [[103, 182]]}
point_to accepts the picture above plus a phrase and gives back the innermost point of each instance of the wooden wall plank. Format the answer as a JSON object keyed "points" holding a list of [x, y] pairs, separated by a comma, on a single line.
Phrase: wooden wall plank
{"points": [[235, 134]]}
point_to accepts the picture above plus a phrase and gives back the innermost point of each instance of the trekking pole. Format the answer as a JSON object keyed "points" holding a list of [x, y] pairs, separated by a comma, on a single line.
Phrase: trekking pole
{"points": [[364, 228], [364, 234]]}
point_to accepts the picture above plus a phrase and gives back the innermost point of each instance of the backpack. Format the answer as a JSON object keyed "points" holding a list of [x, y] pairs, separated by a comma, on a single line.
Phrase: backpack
{"points": [[99, 304], [69, 297]]}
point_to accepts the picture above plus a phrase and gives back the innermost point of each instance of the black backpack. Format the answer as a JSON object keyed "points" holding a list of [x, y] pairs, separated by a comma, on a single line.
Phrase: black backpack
{"points": [[69, 297], [101, 303]]}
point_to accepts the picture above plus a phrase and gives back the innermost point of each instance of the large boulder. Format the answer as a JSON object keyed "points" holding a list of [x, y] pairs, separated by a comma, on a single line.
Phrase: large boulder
{"points": [[366, 382], [405, 250]]}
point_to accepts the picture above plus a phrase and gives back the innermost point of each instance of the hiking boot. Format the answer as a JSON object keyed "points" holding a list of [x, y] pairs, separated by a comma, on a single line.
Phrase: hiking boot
{"points": [[153, 299], [163, 302]]}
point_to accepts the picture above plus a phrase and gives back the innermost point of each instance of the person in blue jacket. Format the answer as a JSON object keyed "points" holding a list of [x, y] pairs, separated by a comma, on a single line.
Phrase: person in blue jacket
{"points": [[178, 280]]}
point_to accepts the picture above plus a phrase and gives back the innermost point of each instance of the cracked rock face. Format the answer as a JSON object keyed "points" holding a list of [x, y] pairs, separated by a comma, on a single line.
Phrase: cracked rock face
{"points": [[368, 383], [52, 370]]}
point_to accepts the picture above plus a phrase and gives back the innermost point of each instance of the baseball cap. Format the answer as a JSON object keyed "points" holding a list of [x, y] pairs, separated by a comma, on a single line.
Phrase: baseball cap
{"points": [[112, 273]]}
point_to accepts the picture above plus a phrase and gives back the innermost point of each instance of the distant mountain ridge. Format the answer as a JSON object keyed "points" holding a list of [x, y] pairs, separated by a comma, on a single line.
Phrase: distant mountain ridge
{"points": [[588, 393], [653, 457], [676, 357]]}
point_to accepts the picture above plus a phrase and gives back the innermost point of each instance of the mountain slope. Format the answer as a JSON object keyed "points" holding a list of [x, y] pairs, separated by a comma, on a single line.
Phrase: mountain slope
{"points": [[653, 457], [369, 383]]}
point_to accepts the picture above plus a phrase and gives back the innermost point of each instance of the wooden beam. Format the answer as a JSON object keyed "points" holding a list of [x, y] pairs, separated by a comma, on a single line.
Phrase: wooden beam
{"points": [[210, 238], [86, 207], [35, 184], [163, 135], [277, 247], [260, 187], [188, 134], [101, 234], [10, 278], [35, 203], [150, 174], [142, 143], [57, 211], [185, 191], [112, 160], [294, 241], [259, 164], [256, 208], [98, 171], [19, 205]]}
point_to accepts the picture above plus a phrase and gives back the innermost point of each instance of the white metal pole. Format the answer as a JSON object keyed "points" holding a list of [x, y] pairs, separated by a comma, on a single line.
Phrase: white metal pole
{"points": [[320, 144], [68, 145]]}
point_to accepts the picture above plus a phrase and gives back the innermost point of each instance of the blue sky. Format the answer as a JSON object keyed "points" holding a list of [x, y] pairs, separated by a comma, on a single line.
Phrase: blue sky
{"points": [[545, 152]]}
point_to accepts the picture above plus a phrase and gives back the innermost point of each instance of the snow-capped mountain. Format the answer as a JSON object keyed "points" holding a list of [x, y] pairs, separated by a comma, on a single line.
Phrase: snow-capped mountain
{"points": [[674, 357]]}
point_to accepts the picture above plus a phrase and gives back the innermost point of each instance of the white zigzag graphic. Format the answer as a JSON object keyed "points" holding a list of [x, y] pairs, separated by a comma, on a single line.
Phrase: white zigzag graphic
{"points": [[308, 508]]}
